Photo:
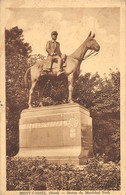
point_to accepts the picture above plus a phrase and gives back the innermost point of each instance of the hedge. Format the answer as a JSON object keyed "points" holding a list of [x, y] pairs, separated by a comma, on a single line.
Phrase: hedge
{"points": [[38, 174]]}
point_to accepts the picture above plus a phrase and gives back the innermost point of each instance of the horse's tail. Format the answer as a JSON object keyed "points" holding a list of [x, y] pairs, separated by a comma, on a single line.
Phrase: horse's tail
{"points": [[26, 77]]}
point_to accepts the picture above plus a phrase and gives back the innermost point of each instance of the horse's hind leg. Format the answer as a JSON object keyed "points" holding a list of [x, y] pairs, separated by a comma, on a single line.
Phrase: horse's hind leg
{"points": [[41, 91], [31, 91]]}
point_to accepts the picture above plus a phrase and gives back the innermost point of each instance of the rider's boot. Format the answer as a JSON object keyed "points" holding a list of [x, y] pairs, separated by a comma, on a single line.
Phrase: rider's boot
{"points": [[60, 69]]}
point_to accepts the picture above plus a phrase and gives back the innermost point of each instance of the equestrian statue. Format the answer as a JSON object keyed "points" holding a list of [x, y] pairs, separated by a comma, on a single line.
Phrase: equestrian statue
{"points": [[57, 65]]}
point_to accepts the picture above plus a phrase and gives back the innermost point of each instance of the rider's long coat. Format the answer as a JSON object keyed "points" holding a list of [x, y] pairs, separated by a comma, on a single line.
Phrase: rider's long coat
{"points": [[53, 47]]}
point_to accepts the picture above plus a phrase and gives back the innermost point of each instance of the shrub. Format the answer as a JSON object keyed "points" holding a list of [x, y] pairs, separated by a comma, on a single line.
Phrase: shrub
{"points": [[38, 174]]}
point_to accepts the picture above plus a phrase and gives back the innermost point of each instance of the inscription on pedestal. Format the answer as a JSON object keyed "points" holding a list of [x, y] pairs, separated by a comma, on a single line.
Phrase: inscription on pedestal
{"points": [[72, 123], [69, 123]]}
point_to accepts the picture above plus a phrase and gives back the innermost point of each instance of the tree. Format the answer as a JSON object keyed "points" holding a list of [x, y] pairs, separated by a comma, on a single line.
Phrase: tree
{"points": [[14, 42], [102, 98], [17, 54]]}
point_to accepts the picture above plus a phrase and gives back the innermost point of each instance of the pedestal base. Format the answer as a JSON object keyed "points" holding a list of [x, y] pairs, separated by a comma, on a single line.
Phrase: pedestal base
{"points": [[57, 155], [61, 133]]}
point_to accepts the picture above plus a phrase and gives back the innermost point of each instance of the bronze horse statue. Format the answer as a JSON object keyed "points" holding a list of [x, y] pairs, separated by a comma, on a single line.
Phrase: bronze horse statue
{"points": [[71, 68]]}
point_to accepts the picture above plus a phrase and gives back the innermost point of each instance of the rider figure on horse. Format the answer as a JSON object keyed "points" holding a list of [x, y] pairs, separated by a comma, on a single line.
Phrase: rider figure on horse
{"points": [[54, 53]]}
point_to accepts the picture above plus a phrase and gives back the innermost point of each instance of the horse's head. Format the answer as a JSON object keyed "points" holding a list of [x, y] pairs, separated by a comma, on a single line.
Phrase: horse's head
{"points": [[91, 43]]}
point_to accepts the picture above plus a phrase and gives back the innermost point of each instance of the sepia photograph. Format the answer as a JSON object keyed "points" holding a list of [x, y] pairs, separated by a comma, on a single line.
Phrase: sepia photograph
{"points": [[62, 102]]}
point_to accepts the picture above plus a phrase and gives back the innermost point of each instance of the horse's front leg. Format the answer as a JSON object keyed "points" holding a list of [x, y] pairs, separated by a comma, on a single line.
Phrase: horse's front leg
{"points": [[30, 92], [70, 88], [40, 97]]}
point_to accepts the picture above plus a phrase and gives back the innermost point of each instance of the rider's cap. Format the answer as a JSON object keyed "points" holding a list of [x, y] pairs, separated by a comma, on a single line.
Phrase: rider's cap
{"points": [[54, 33]]}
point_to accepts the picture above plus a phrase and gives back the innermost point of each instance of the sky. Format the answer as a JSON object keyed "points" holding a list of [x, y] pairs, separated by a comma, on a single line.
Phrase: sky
{"points": [[73, 26]]}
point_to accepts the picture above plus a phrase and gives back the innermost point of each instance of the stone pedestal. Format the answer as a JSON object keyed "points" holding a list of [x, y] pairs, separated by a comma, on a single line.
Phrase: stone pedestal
{"points": [[61, 133]]}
